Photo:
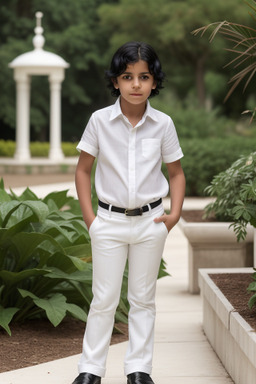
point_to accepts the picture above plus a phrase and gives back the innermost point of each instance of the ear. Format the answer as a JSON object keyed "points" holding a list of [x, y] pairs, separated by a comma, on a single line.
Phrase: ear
{"points": [[115, 83], [154, 85]]}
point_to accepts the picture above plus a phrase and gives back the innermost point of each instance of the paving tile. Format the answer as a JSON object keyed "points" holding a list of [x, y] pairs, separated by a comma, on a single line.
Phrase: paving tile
{"points": [[190, 359]]}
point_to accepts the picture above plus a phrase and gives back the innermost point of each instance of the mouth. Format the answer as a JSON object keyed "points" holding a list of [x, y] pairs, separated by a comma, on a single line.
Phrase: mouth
{"points": [[136, 94]]}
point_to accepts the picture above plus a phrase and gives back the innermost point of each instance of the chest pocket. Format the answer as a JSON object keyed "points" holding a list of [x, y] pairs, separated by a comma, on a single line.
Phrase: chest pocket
{"points": [[151, 148]]}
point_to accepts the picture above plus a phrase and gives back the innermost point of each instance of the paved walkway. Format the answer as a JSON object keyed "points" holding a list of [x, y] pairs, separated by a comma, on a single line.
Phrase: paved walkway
{"points": [[182, 352]]}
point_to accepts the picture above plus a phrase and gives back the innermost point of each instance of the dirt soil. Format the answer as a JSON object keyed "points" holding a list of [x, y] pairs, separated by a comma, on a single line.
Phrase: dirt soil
{"points": [[38, 341], [196, 216], [234, 287]]}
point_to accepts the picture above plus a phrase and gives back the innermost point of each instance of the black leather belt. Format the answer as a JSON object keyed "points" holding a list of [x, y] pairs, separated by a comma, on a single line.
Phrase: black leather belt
{"points": [[131, 212]]}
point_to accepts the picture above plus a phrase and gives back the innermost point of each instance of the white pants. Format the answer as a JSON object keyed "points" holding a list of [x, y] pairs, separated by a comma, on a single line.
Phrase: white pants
{"points": [[116, 237]]}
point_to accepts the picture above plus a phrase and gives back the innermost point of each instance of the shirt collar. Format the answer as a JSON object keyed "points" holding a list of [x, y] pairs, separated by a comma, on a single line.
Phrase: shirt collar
{"points": [[116, 111]]}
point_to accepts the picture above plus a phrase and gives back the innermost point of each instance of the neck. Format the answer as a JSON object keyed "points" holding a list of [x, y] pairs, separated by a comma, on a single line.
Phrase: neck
{"points": [[133, 112]]}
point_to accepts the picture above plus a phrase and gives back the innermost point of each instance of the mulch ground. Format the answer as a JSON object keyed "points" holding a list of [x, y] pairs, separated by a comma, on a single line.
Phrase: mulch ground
{"points": [[38, 341], [234, 287]]}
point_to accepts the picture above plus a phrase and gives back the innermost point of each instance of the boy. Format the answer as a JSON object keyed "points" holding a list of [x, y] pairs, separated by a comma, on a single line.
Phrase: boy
{"points": [[130, 140]]}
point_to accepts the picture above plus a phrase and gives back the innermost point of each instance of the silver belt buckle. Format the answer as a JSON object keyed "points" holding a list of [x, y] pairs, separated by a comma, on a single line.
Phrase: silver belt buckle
{"points": [[131, 212]]}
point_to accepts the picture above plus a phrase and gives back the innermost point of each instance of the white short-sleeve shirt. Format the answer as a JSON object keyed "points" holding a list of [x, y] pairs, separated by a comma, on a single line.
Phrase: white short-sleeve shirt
{"points": [[129, 159]]}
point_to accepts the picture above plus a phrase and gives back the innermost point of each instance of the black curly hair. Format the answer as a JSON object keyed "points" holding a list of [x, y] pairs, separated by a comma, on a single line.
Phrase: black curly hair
{"points": [[132, 52]]}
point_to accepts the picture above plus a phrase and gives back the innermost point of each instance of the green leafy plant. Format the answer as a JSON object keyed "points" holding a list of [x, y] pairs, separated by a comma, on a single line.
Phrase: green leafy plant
{"points": [[45, 260], [235, 192], [252, 288], [45, 267], [37, 149]]}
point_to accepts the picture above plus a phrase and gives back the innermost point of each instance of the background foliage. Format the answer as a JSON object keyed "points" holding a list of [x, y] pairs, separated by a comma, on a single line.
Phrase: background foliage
{"points": [[86, 33]]}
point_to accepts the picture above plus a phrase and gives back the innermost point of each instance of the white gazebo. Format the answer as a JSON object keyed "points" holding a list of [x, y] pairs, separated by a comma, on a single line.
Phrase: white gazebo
{"points": [[37, 63]]}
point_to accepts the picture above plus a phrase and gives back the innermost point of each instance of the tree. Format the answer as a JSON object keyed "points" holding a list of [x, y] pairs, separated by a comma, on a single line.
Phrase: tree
{"points": [[71, 30], [243, 38], [167, 25]]}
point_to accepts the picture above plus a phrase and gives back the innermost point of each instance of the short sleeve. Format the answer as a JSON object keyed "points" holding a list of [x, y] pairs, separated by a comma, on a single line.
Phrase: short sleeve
{"points": [[89, 139], [171, 150]]}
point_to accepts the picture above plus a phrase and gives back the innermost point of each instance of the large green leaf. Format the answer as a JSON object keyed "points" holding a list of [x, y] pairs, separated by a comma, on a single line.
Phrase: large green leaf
{"points": [[252, 301], [55, 307], [53, 229], [80, 250], [85, 292], [7, 209], [76, 311], [80, 276], [81, 265], [6, 315], [12, 212], [27, 194], [4, 196], [60, 198], [12, 278], [120, 317], [66, 263], [26, 246], [39, 209]]}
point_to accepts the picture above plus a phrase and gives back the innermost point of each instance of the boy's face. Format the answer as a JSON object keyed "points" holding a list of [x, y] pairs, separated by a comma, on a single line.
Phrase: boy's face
{"points": [[136, 83]]}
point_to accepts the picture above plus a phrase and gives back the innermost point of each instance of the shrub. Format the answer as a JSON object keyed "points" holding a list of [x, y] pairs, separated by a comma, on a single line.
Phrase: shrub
{"points": [[193, 121], [7, 148], [37, 149], [44, 254], [235, 192], [45, 259], [205, 158]]}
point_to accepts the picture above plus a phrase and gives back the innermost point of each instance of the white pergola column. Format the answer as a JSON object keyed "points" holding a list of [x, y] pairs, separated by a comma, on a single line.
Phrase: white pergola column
{"points": [[55, 152], [22, 116], [38, 63]]}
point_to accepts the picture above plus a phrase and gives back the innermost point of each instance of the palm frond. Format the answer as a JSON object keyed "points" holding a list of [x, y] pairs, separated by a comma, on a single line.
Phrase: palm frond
{"points": [[243, 39]]}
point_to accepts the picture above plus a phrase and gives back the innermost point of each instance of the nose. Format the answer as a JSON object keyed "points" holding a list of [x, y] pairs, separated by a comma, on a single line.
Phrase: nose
{"points": [[136, 82]]}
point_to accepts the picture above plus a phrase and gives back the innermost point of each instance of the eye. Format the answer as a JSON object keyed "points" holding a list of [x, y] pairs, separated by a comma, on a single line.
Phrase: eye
{"points": [[126, 77], [144, 77]]}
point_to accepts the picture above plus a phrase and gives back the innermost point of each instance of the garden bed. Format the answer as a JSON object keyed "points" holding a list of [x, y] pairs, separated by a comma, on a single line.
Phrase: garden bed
{"points": [[228, 324]]}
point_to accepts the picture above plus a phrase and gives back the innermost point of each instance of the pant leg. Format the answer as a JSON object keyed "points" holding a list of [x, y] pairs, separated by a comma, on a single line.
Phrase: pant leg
{"points": [[109, 254], [144, 257]]}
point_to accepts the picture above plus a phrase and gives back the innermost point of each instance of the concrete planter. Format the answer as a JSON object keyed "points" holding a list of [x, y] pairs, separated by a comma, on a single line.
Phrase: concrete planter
{"points": [[230, 335], [214, 245]]}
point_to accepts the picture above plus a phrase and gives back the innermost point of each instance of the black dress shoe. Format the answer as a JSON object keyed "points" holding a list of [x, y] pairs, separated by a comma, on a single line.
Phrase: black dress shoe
{"points": [[139, 378], [87, 378]]}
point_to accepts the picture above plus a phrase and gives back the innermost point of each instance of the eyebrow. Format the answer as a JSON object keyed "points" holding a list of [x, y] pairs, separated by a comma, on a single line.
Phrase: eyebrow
{"points": [[141, 73]]}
